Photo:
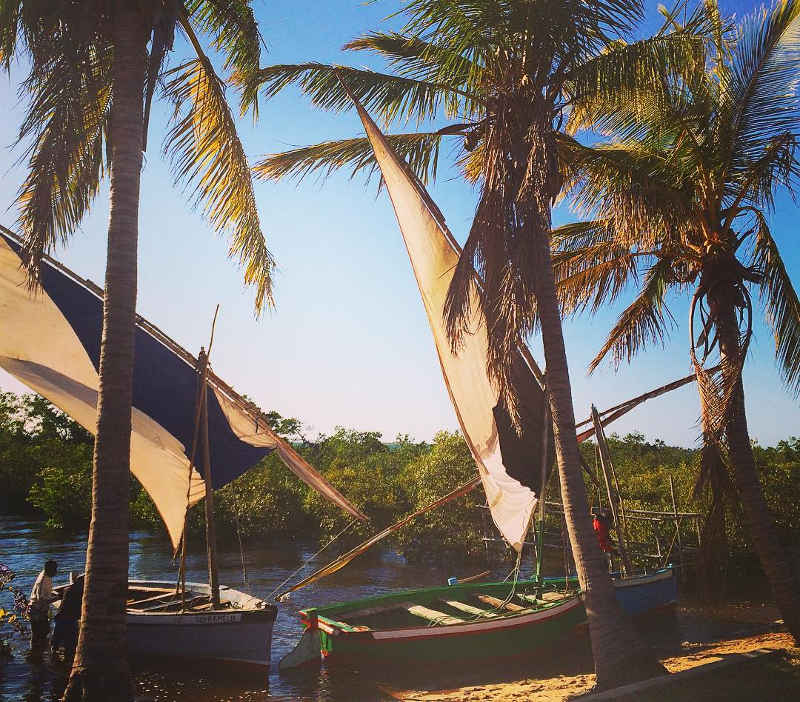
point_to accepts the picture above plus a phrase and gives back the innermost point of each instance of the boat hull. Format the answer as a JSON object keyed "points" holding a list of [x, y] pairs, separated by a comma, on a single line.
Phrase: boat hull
{"points": [[646, 594], [514, 634], [240, 635], [501, 637], [639, 594]]}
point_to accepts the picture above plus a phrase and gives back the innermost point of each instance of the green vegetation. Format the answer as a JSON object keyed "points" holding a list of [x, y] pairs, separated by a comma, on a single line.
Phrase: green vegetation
{"points": [[11, 620], [45, 468]]}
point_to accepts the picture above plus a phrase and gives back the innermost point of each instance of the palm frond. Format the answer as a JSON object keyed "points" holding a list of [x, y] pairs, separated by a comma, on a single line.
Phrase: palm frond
{"points": [[590, 267], [630, 87], [9, 31], [781, 303], [419, 150], [489, 25], [163, 37], [761, 97], [639, 191], [644, 321], [466, 27], [432, 62], [67, 123], [755, 185], [207, 155], [233, 28], [390, 95]]}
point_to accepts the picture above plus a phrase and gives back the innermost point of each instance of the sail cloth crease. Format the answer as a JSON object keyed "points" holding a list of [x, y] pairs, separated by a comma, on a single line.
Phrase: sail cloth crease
{"points": [[509, 465], [50, 341]]}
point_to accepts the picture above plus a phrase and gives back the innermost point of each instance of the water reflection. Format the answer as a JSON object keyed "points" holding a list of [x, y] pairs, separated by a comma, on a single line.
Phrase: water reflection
{"points": [[25, 545]]}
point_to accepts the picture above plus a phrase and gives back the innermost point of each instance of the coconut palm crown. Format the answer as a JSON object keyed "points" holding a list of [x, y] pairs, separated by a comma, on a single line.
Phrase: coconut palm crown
{"points": [[681, 201], [69, 98], [505, 74]]}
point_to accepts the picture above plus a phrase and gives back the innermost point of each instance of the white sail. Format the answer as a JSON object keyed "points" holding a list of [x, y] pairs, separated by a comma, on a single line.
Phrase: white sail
{"points": [[474, 397]]}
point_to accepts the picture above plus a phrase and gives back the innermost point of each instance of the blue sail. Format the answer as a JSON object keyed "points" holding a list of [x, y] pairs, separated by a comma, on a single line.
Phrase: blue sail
{"points": [[51, 342]]}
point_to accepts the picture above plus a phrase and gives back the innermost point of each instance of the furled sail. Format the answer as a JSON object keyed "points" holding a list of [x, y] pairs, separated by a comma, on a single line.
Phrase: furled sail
{"points": [[50, 341], [510, 465]]}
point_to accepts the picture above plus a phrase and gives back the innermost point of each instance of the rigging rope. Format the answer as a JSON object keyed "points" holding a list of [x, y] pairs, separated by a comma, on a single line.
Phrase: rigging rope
{"points": [[345, 558], [311, 558]]}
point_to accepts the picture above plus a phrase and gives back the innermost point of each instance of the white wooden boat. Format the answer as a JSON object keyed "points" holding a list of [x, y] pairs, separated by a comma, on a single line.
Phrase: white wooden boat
{"points": [[239, 631], [165, 624]]}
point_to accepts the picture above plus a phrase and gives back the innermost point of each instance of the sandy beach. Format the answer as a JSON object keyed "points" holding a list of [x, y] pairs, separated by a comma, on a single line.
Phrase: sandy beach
{"points": [[750, 628]]}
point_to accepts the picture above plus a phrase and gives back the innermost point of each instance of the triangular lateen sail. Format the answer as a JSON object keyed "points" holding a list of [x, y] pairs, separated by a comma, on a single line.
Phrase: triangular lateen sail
{"points": [[50, 341], [510, 466]]}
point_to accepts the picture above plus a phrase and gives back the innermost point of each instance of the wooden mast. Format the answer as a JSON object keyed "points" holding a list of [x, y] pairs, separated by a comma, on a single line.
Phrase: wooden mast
{"points": [[181, 586], [211, 535], [201, 441], [211, 532], [613, 497]]}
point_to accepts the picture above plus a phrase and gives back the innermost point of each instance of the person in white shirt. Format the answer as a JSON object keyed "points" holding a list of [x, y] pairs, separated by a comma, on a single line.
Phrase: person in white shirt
{"points": [[41, 598]]}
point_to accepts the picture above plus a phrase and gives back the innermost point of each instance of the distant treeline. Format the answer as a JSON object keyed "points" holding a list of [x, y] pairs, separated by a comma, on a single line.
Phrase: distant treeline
{"points": [[45, 471]]}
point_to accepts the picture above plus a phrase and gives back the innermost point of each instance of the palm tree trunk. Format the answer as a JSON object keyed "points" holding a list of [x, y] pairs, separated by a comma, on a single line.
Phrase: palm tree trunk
{"points": [[619, 655], [760, 521], [713, 554], [100, 670]]}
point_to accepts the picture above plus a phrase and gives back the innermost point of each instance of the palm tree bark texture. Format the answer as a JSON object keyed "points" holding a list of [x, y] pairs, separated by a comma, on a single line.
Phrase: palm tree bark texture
{"points": [[100, 669], [760, 521], [619, 654], [682, 198]]}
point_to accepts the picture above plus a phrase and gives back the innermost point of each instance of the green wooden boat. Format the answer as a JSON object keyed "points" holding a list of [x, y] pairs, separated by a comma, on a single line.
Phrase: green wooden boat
{"points": [[457, 623], [463, 622]]}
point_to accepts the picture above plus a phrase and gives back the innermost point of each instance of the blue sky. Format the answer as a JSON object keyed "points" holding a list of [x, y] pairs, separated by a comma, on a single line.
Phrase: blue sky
{"points": [[348, 342]]}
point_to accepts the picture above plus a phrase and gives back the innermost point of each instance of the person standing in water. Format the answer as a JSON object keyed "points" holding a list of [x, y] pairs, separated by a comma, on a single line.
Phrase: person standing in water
{"points": [[67, 619], [40, 601]]}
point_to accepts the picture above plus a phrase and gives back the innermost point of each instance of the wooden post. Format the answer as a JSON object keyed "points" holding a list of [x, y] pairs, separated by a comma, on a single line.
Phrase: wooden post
{"points": [[211, 537], [677, 524], [623, 518], [697, 529], [605, 463]]}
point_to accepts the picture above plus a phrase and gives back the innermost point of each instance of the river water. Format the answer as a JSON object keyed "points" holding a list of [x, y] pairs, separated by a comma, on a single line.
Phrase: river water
{"points": [[25, 545]]}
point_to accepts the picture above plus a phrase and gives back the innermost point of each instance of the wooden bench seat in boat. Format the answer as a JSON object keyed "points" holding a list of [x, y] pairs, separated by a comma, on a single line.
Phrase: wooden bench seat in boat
{"points": [[148, 600], [433, 615], [173, 604], [468, 609], [553, 596], [495, 602], [139, 592], [545, 598], [370, 611], [412, 608]]}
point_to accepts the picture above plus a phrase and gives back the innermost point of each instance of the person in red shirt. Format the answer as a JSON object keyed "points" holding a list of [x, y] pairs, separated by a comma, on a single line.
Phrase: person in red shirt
{"points": [[602, 524]]}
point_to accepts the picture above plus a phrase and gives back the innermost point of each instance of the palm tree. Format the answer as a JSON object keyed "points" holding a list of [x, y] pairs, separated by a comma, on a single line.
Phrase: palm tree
{"points": [[507, 73], [93, 71], [682, 202]]}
